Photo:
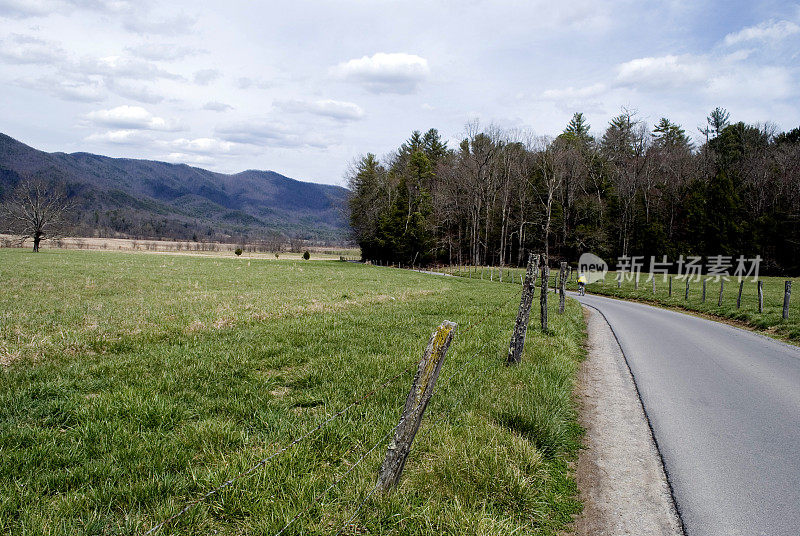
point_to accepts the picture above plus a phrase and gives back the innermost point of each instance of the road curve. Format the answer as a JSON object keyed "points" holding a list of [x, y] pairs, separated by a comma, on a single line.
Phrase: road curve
{"points": [[724, 407]]}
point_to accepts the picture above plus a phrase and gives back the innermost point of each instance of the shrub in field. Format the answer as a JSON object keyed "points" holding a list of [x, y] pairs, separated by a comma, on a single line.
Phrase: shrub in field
{"points": [[306, 255], [238, 251]]}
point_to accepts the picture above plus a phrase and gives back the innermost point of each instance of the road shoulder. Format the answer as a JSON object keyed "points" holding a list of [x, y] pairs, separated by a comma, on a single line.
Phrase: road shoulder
{"points": [[619, 473]]}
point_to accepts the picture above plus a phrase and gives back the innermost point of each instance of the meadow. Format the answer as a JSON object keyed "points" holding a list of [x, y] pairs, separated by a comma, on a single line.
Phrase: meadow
{"points": [[747, 314], [132, 384]]}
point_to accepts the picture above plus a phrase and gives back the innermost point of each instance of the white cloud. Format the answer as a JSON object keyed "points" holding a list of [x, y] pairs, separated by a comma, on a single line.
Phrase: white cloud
{"points": [[26, 49], [246, 82], [124, 67], [752, 83], [385, 73], [189, 159], [662, 72], [345, 111], [20, 9], [271, 134], [145, 23], [79, 89], [137, 92], [572, 93], [206, 76], [215, 106], [120, 137], [163, 51], [766, 31], [208, 146], [130, 118]]}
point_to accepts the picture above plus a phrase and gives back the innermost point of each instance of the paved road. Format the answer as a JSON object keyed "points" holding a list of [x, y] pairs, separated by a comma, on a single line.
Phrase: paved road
{"points": [[724, 406]]}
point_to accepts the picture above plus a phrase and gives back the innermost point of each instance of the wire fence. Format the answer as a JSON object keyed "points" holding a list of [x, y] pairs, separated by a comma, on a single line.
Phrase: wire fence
{"points": [[443, 387]]}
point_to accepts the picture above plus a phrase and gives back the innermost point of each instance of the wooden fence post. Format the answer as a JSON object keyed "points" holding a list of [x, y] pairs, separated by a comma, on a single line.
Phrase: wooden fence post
{"points": [[543, 297], [739, 297], [686, 296], [704, 290], [619, 280], [787, 294], [721, 288], [654, 283], [760, 296], [670, 286], [562, 287], [416, 402], [636, 281], [523, 316]]}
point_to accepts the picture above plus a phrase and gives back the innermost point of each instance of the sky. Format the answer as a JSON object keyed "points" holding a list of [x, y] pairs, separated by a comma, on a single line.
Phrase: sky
{"points": [[305, 87]]}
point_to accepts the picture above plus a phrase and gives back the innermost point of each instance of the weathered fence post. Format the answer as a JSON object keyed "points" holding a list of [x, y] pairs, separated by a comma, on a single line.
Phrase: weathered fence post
{"points": [[619, 280], [704, 290], [739, 297], [670, 286], [636, 282], [491, 273], [523, 316], [686, 297], [543, 297], [760, 296], [721, 288], [501, 274], [787, 294], [654, 283], [416, 402], [562, 287]]}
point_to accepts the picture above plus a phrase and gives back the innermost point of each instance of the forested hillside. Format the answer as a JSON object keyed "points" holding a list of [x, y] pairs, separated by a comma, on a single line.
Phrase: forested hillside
{"points": [[151, 199], [632, 190]]}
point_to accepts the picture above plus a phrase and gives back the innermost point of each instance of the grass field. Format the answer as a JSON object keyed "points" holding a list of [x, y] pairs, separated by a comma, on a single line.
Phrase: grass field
{"points": [[132, 384], [769, 320]]}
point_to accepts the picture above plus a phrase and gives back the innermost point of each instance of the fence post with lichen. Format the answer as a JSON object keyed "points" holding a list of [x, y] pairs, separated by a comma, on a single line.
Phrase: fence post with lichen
{"points": [[523, 315], [416, 402]]}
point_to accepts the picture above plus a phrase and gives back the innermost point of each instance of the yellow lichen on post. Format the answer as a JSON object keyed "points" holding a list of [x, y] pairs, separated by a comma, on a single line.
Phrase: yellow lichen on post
{"points": [[416, 402]]}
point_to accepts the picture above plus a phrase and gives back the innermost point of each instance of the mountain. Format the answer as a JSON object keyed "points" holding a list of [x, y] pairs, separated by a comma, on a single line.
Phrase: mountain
{"points": [[147, 198]]}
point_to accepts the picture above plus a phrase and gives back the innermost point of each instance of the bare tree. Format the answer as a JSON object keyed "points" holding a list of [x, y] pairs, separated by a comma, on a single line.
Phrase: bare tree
{"points": [[38, 209]]}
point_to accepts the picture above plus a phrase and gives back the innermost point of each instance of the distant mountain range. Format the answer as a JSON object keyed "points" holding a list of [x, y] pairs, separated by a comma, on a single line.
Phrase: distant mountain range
{"points": [[151, 199]]}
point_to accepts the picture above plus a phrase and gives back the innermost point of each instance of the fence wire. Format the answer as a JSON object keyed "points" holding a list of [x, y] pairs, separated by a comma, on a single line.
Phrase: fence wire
{"points": [[278, 452], [263, 462]]}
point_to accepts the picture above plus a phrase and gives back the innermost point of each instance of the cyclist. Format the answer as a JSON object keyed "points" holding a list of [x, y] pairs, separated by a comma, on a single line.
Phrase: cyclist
{"points": [[582, 285]]}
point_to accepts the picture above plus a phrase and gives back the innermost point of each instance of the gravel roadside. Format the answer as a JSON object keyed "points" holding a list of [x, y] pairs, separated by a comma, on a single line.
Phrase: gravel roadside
{"points": [[619, 473]]}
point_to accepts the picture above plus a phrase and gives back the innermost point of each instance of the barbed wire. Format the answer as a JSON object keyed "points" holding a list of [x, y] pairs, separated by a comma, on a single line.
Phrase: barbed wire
{"points": [[263, 462], [278, 452], [358, 509], [335, 483], [461, 399]]}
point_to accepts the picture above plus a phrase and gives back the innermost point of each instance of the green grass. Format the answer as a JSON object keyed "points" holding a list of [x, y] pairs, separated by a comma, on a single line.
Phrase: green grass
{"points": [[134, 383]]}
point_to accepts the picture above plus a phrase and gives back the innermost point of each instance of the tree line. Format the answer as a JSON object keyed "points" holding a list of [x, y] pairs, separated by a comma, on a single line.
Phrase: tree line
{"points": [[633, 190]]}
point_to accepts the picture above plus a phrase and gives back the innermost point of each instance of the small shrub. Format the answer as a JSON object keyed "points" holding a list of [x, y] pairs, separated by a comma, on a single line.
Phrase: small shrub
{"points": [[306, 255], [238, 251]]}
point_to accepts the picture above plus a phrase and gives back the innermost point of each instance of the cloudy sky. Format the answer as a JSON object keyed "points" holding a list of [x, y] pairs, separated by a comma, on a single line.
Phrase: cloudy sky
{"points": [[303, 87]]}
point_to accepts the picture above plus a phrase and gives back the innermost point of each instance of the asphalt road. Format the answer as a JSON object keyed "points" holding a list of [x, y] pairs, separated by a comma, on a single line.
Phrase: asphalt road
{"points": [[724, 407]]}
